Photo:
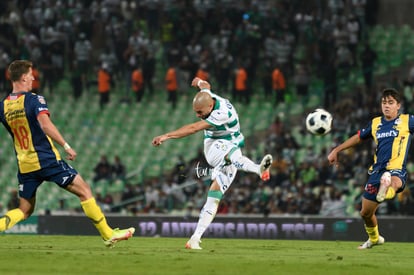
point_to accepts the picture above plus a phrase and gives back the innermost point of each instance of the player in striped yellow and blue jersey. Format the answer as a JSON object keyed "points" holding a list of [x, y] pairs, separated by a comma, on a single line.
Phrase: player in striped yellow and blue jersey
{"points": [[391, 133], [26, 117]]}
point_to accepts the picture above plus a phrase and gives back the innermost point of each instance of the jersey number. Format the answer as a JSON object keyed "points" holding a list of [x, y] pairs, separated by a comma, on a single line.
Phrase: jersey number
{"points": [[22, 137]]}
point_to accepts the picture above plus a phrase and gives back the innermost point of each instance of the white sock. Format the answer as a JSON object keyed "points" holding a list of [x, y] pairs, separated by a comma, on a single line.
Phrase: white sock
{"points": [[207, 215], [243, 163]]}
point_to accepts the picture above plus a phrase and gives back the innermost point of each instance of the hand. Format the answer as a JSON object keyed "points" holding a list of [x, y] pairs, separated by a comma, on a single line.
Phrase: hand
{"points": [[71, 154], [157, 141], [199, 83], [195, 81], [333, 158]]}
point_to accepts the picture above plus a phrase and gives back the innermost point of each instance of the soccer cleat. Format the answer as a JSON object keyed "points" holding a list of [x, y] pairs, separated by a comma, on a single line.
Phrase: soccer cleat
{"points": [[193, 243], [385, 183], [369, 244], [119, 235], [265, 167]]}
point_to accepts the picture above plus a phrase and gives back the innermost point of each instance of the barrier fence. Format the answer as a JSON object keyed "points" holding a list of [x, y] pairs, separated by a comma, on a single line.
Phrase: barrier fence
{"points": [[394, 229]]}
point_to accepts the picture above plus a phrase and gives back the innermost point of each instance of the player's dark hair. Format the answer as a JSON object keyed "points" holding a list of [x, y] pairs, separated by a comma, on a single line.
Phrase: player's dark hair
{"points": [[18, 68], [392, 93]]}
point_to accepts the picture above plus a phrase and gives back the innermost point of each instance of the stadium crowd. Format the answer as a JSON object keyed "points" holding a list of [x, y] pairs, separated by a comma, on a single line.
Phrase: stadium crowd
{"points": [[77, 38]]}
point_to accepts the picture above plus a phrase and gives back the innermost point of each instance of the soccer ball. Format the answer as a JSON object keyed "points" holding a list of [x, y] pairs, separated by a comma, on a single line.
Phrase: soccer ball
{"points": [[319, 122]]}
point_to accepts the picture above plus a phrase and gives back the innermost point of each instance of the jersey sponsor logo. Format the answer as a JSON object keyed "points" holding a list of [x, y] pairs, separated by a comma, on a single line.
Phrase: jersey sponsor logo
{"points": [[15, 114], [391, 133]]}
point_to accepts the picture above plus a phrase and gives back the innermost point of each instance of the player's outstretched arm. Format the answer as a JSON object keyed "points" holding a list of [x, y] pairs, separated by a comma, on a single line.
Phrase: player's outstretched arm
{"points": [[333, 155], [201, 84], [184, 131]]}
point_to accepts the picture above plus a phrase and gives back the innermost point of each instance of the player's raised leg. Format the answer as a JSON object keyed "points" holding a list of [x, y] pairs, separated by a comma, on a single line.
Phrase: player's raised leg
{"points": [[245, 164]]}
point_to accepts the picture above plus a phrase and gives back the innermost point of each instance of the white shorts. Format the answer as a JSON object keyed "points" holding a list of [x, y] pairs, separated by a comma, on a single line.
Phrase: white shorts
{"points": [[215, 152]]}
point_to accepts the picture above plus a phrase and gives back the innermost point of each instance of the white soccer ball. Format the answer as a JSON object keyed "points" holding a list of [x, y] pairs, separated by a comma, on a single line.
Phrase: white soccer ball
{"points": [[319, 122]]}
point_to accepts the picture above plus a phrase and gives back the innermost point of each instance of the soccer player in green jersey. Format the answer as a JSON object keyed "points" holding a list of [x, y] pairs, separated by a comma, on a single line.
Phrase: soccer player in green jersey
{"points": [[223, 141]]}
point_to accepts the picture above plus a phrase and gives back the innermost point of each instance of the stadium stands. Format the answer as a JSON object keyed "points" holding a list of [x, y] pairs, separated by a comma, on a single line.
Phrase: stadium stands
{"points": [[127, 129]]}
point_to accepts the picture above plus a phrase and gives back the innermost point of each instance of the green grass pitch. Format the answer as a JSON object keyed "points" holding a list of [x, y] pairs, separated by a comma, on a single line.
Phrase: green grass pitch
{"points": [[45, 254]]}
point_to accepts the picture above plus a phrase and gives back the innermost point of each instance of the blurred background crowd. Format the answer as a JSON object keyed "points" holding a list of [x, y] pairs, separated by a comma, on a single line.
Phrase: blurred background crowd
{"points": [[284, 47]]}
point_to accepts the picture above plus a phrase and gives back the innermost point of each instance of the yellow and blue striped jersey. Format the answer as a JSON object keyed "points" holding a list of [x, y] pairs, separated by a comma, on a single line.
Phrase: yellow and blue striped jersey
{"points": [[34, 149], [392, 139]]}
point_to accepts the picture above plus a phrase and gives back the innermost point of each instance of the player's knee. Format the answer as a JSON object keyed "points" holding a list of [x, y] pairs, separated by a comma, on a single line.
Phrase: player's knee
{"points": [[234, 156], [365, 215]]}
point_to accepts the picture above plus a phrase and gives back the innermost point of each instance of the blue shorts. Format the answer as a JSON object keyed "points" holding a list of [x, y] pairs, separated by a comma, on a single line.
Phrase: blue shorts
{"points": [[373, 183], [60, 173]]}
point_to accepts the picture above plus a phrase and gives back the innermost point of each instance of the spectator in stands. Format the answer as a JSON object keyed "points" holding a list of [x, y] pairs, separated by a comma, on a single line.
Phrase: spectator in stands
{"points": [[333, 203], [4, 61], [171, 84], [190, 211], [343, 61], [387, 175], [329, 74], [224, 65], [359, 8], [302, 81], [194, 51], [241, 88], [221, 147], [118, 168], [76, 80], [368, 58], [285, 50], [104, 84], [265, 75], [180, 170], [40, 160], [48, 70], [83, 57], [278, 85], [167, 36], [103, 169], [58, 60], [353, 27], [149, 66], [174, 194], [137, 81]]}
